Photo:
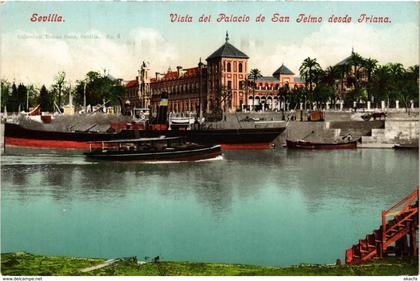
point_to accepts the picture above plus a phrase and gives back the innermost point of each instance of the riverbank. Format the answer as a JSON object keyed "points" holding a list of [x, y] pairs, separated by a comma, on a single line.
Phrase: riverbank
{"points": [[24, 264]]}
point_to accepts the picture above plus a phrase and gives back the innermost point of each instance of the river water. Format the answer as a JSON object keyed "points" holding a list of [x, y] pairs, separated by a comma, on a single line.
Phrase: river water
{"points": [[276, 207]]}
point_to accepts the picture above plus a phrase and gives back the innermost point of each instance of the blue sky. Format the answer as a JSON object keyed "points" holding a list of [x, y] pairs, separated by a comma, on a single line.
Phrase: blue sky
{"points": [[143, 31]]}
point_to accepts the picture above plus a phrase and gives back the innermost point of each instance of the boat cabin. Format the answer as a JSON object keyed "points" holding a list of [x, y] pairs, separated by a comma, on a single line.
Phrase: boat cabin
{"points": [[139, 145]]}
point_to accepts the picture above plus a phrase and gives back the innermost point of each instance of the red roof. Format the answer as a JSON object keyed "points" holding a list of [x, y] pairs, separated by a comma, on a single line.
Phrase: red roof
{"points": [[170, 75], [187, 72], [132, 83], [192, 71]]}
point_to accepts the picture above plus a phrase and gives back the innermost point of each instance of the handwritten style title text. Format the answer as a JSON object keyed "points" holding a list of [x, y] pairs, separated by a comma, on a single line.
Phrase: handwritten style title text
{"points": [[277, 18]]}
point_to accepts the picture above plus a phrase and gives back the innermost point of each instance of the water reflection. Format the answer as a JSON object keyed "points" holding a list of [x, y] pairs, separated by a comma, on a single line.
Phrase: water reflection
{"points": [[252, 207], [356, 175], [319, 176]]}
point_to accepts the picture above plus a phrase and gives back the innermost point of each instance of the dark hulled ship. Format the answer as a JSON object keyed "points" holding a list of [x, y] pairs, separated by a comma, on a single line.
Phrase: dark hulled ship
{"points": [[244, 138]]}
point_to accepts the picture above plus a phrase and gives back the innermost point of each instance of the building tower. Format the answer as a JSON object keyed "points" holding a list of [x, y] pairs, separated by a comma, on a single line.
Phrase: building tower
{"points": [[227, 69], [285, 75], [144, 85]]}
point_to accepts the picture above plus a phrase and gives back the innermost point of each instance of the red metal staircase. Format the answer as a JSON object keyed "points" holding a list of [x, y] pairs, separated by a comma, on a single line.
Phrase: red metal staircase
{"points": [[398, 223]]}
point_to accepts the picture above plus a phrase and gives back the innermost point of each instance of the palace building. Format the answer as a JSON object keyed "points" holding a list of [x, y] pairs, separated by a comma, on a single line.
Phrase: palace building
{"points": [[265, 94], [223, 83], [137, 91], [184, 88], [227, 70]]}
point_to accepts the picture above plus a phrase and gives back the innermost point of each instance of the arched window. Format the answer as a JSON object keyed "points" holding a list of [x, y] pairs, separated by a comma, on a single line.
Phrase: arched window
{"points": [[240, 67], [229, 67]]}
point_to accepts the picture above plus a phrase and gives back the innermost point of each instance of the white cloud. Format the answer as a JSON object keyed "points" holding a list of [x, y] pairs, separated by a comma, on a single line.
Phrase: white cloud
{"points": [[38, 57], [27, 58], [333, 43]]}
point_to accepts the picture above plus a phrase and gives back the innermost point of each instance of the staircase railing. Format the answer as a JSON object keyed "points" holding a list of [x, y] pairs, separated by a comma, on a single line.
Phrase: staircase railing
{"points": [[404, 222], [400, 208]]}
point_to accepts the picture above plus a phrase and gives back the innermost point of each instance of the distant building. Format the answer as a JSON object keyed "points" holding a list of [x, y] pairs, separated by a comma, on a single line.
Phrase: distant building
{"points": [[347, 72], [227, 70], [144, 85], [222, 83], [137, 91], [183, 87], [131, 95], [267, 88]]}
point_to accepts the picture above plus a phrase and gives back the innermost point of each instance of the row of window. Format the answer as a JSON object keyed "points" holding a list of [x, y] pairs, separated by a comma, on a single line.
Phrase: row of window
{"points": [[178, 88], [229, 67], [262, 97], [195, 86]]}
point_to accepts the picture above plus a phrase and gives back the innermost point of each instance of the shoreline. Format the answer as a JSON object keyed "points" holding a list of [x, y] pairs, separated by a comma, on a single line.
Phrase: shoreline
{"points": [[25, 264]]}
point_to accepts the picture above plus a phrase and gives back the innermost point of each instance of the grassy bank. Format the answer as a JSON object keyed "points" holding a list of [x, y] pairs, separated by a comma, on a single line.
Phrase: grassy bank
{"points": [[27, 264]]}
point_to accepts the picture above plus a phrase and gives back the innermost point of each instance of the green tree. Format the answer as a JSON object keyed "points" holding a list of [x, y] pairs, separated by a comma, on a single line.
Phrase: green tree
{"points": [[32, 95], [99, 89], [406, 85], [60, 81], [45, 100], [344, 71], [297, 95], [355, 73], [12, 102], [310, 72], [331, 75], [21, 96], [255, 73], [397, 72], [381, 83], [369, 65], [283, 96], [5, 93], [356, 63], [323, 93]]}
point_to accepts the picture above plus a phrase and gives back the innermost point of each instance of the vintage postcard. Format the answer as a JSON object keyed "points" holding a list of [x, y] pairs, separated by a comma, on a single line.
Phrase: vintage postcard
{"points": [[209, 138]]}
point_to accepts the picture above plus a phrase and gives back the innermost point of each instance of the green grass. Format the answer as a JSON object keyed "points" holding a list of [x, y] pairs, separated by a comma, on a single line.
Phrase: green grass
{"points": [[16, 264]]}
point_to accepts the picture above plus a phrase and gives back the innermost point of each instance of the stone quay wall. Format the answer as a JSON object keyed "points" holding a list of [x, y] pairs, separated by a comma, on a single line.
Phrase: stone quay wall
{"points": [[327, 130], [394, 132]]}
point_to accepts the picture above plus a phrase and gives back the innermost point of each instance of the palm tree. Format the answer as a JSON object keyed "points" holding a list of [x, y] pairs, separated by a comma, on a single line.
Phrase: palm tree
{"points": [[354, 77], [283, 94], [309, 70], [369, 65], [344, 71], [410, 86], [255, 73], [414, 70], [397, 72], [356, 62], [331, 74], [381, 81]]}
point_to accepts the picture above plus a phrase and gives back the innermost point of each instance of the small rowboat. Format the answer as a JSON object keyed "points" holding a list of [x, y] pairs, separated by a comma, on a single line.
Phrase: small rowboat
{"points": [[301, 144], [152, 149], [406, 146]]}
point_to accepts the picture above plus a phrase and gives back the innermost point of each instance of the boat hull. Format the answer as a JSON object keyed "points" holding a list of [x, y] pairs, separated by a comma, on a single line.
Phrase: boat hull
{"points": [[201, 153], [259, 138], [320, 146], [406, 147]]}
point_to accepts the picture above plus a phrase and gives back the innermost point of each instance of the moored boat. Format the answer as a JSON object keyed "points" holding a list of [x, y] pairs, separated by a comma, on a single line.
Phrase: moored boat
{"points": [[402, 146], [242, 138], [301, 144], [152, 149]]}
